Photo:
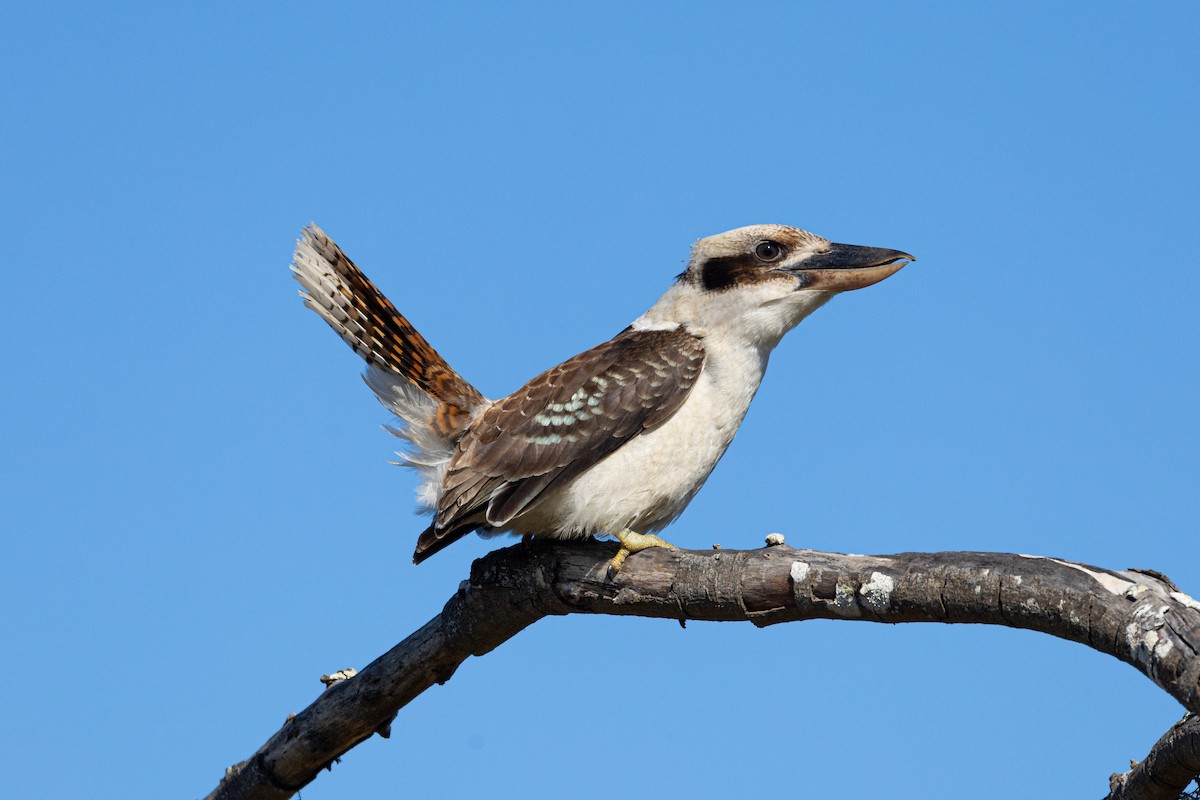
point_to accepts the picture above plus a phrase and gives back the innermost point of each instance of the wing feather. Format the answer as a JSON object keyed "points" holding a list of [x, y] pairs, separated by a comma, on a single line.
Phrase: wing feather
{"points": [[559, 424]]}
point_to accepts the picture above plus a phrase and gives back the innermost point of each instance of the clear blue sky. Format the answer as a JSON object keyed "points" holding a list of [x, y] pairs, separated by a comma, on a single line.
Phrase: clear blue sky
{"points": [[199, 517]]}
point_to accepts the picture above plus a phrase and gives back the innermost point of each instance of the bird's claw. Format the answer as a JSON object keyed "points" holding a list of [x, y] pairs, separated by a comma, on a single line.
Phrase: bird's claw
{"points": [[614, 563], [633, 542]]}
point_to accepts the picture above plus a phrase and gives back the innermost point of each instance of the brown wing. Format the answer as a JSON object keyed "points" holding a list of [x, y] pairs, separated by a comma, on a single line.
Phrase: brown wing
{"points": [[559, 424]]}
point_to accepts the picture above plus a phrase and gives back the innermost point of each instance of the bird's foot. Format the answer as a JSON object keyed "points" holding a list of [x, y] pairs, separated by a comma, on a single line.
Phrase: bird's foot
{"points": [[634, 542]]}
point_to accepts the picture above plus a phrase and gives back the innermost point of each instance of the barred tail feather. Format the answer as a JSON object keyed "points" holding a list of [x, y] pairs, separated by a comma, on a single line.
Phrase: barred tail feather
{"points": [[409, 376]]}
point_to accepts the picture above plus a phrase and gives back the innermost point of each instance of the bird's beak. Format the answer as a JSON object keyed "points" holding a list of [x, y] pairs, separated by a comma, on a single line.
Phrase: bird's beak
{"points": [[848, 266]]}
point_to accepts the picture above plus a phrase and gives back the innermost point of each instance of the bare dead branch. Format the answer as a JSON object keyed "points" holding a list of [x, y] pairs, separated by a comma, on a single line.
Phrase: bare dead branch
{"points": [[1172, 764], [1137, 616]]}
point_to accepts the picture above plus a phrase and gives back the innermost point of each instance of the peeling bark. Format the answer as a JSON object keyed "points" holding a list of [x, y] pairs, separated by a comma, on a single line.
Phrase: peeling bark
{"points": [[1139, 617]]}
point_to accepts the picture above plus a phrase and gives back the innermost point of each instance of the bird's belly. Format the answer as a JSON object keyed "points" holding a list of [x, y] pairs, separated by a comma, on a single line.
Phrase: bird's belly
{"points": [[648, 481]]}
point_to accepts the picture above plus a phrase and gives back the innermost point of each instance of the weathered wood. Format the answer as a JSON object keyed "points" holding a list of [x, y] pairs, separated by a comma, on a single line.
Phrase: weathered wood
{"points": [[1172, 764], [1137, 616]]}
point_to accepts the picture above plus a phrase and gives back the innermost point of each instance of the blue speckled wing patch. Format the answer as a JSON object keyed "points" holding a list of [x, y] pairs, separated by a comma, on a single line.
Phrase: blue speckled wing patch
{"points": [[564, 421]]}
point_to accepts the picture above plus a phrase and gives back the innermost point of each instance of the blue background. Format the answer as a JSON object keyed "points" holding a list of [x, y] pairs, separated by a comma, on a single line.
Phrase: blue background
{"points": [[198, 515]]}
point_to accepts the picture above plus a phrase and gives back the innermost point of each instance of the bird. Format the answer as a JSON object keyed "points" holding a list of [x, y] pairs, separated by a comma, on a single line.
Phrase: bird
{"points": [[616, 440]]}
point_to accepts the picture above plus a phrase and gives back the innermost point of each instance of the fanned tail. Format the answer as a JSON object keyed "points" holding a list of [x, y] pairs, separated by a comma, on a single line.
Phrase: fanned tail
{"points": [[367, 321]]}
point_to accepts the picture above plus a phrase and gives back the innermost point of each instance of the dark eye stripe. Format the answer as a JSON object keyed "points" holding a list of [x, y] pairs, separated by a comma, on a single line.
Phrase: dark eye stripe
{"points": [[721, 273]]}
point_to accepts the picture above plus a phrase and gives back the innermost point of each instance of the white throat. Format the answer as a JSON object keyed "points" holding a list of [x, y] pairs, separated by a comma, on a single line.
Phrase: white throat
{"points": [[756, 316]]}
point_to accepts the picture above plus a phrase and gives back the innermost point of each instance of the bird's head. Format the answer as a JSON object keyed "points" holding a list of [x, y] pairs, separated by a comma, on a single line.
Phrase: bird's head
{"points": [[766, 278], [790, 257]]}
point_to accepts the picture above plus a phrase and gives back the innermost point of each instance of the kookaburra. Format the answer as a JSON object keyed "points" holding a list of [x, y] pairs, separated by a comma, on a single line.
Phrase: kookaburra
{"points": [[616, 440]]}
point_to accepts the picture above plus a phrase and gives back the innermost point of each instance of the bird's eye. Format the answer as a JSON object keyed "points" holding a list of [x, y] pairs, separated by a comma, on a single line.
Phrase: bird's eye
{"points": [[768, 251]]}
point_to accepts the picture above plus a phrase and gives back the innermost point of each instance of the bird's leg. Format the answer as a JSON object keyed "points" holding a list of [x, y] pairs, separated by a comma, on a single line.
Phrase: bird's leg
{"points": [[634, 542]]}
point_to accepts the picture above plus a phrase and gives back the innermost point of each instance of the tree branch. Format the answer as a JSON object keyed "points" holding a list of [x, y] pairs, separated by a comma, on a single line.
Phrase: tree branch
{"points": [[1139, 617], [1172, 764]]}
